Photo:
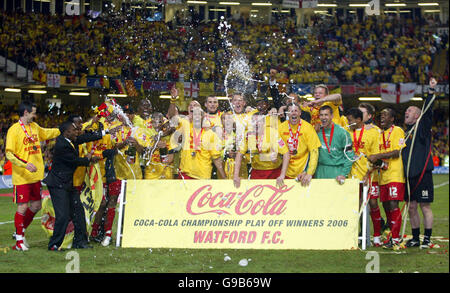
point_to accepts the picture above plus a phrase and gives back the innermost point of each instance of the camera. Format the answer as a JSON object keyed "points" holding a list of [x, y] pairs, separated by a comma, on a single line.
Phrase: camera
{"points": [[163, 154], [131, 151], [381, 164]]}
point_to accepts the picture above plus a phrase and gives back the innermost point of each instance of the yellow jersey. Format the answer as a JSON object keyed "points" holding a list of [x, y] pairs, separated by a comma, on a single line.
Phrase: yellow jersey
{"points": [[138, 121], [141, 122], [198, 149], [197, 163], [145, 124], [376, 172], [126, 163], [392, 139], [213, 120], [230, 144], [307, 141], [242, 120], [263, 147], [155, 169], [365, 143], [26, 147], [96, 148], [343, 121], [314, 111], [80, 171], [106, 142]]}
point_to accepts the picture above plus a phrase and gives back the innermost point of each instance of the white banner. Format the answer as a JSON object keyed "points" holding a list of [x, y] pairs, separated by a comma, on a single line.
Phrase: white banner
{"points": [[53, 80], [191, 89], [440, 89], [258, 215], [397, 93]]}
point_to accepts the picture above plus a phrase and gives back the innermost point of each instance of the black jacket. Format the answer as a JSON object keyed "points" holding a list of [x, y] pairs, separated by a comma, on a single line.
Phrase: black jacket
{"points": [[422, 144], [276, 97], [110, 173], [66, 159]]}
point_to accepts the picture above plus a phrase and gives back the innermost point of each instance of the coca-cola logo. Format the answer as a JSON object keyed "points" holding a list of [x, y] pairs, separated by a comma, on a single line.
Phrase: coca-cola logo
{"points": [[27, 140], [259, 199]]}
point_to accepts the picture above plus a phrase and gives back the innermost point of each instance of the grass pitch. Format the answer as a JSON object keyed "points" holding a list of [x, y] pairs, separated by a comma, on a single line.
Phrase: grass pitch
{"points": [[120, 260]]}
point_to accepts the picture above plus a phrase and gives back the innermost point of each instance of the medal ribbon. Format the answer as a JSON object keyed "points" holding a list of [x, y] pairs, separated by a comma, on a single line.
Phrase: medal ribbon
{"points": [[331, 137], [122, 133], [357, 143], [26, 132], [195, 140], [148, 124], [389, 135], [95, 145], [293, 140]]}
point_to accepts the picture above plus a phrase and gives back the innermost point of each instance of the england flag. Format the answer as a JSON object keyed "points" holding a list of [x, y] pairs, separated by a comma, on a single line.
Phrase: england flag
{"points": [[397, 93]]}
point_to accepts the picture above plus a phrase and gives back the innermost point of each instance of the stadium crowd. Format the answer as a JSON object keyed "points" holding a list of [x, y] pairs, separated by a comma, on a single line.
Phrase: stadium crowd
{"points": [[378, 49]]}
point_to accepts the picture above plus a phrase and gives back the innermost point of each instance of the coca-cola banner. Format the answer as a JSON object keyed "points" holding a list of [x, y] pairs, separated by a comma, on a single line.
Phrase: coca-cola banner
{"points": [[258, 215]]}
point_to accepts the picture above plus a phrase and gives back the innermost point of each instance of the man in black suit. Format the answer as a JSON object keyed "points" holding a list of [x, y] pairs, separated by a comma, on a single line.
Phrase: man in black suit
{"points": [[65, 198]]}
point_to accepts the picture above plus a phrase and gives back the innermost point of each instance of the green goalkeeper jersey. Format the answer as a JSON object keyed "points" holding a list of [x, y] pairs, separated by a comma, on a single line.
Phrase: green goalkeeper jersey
{"points": [[333, 161]]}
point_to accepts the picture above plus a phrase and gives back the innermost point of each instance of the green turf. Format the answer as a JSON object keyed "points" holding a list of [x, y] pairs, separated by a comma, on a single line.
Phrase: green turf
{"points": [[118, 260]]}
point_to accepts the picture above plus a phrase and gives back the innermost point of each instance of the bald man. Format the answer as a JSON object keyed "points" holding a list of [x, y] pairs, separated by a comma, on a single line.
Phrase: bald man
{"points": [[418, 166]]}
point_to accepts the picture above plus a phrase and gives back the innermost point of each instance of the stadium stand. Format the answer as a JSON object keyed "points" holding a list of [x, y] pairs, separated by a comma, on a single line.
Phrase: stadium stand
{"points": [[379, 49]]}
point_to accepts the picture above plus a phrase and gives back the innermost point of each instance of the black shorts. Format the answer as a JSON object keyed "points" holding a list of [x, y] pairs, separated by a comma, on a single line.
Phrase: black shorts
{"points": [[424, 192]]}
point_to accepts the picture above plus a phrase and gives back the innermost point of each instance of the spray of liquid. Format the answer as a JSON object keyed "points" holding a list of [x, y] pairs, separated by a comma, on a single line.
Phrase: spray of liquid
{"points": [[126, 121], [239, 76]]}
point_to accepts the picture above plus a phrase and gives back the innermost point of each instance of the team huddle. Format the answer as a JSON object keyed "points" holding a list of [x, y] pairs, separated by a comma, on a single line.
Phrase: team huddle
{"points": [[290, 139]]}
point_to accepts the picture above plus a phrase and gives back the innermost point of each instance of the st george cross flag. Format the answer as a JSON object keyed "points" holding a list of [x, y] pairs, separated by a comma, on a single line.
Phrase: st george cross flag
{"points": [[397, 93], [191, 89], [53, 80]]}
